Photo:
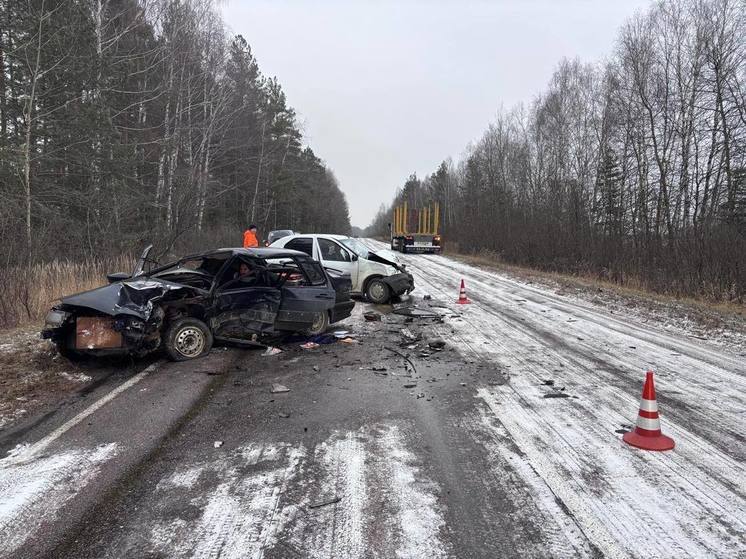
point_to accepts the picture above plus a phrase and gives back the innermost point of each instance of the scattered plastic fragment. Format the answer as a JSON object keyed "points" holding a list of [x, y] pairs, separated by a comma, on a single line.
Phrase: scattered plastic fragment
{"points": [[436, 343], [217, 444], [277, 388], [309, 345], [272, 351]]}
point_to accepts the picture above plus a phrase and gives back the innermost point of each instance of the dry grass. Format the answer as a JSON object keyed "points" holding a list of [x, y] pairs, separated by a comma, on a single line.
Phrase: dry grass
{"points": [[29, 291]]}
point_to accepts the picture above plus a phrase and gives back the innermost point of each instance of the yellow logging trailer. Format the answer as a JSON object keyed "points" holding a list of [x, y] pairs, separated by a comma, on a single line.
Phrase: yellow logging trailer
{"points": [[416, 230]]}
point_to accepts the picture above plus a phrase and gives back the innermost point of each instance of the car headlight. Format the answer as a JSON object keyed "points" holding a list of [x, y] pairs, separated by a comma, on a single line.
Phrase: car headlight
{"points": [[55, 318]]}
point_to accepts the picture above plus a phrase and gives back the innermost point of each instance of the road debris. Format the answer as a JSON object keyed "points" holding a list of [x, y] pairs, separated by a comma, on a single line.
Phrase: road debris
{"points": [[408, 360], [320, 504], [407, 333], [284, 414], [316, 368], [349, 341], [436, 344], [309, 345], [279, 388], [272, 351], [415, 312], [371, 316], [217, 444], [410, 385]]}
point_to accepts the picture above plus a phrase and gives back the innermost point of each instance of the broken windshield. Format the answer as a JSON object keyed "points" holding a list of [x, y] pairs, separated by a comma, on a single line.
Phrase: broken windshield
{"points": [[355, 246]]}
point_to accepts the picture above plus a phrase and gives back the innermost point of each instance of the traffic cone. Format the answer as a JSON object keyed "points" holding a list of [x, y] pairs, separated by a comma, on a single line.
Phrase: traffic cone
{"points": [[462, 299], [647, 434]]}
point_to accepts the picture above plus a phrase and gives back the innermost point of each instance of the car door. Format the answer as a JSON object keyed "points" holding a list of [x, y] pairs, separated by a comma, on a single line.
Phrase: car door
{"points": [[333, 256], [239, 309], [303, 301]]}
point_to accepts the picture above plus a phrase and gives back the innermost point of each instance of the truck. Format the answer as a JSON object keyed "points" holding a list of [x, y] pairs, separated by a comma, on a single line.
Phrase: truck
{"points": [[422, 237]]}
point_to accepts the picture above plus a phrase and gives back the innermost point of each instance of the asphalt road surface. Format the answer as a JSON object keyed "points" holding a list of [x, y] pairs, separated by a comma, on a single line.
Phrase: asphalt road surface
{"points": [[506, 443]]}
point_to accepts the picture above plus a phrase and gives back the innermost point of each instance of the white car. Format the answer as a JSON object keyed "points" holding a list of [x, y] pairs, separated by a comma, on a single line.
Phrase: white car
{"points": [[378, 275]]}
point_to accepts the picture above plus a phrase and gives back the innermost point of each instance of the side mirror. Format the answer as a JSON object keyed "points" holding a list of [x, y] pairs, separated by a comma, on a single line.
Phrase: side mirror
{"points": [[389, 227], [117, 276], [354, 257]]}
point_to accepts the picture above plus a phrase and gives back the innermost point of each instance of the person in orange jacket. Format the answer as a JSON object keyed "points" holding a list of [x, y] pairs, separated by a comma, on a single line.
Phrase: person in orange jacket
{"points": [[249, 237]]}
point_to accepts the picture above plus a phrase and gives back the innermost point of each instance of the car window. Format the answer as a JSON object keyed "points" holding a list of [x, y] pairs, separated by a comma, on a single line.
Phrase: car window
{"points": [[245, 272], [303, 244], [332, 252], [356, 246], [313, 270]]}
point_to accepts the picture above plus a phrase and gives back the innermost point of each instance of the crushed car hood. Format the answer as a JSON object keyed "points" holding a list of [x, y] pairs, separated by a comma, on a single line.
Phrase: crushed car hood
{"points": [[133, 297], [385, 257]]}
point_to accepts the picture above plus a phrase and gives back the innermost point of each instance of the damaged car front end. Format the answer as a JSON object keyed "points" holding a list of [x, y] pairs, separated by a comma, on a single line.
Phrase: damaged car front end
{"points": [[123, 317]]}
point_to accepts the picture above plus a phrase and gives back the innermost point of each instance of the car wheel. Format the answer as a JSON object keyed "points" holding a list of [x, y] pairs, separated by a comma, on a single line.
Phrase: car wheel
{"points": [[320, 324], [187, 338], [378, 292]]}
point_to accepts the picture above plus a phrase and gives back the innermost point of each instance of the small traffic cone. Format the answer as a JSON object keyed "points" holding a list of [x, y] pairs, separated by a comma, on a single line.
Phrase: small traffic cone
{"points": [[462, 299], [647, 434]]}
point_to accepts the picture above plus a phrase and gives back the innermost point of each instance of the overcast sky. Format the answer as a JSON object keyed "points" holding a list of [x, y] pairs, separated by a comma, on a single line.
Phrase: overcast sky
{"points": [[383, 89]]}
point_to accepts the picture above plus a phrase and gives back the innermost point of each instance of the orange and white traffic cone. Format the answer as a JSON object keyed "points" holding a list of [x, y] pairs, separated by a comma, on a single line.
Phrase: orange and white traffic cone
{"points": [[647, 433], [462, 299]]}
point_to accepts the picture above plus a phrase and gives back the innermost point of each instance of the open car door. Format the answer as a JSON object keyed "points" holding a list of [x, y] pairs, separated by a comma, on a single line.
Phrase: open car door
{"points": [[305, 293], [242, 307]]}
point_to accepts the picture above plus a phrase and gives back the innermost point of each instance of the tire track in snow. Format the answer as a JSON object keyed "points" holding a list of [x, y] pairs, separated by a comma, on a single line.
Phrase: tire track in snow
{"points": [[618, 495], [236, 498], [387, 508]]}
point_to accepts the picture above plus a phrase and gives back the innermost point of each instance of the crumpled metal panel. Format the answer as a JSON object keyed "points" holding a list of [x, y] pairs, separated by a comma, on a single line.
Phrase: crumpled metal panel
{"points": [[134, 298]]}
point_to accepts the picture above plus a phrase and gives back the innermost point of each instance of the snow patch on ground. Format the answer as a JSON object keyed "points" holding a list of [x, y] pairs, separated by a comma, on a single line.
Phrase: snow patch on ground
{"points": [[238, 516], [33, 490], [75, 377], [420, 518]]}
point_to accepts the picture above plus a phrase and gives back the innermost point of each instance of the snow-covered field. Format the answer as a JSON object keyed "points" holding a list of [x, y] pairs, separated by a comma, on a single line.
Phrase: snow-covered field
{"points": [[689, 502]]}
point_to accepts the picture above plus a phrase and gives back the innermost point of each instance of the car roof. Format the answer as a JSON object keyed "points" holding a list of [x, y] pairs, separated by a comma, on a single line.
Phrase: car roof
{"points": [[252, 252], [318, 236]]}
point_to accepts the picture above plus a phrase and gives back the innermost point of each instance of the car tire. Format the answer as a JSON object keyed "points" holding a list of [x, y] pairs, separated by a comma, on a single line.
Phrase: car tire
{"points": [[320, 324], [378, 292], [187, 338]]}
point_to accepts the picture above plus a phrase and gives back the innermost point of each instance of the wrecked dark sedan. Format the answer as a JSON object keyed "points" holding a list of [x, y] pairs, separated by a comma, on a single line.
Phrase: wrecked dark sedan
{"points": [[227, 295]]}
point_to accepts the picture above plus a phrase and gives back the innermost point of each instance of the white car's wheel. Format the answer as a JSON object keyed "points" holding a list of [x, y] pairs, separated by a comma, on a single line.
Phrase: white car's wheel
{"points": [[378, 292]]}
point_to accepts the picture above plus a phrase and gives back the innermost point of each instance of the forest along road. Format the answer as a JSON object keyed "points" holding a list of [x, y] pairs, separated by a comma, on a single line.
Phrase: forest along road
{"points": [[507, 443]]}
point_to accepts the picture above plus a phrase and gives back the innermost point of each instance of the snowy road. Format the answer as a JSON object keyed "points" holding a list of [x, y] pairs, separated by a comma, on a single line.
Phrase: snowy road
{"points": [[685, 503], [506, 444]]}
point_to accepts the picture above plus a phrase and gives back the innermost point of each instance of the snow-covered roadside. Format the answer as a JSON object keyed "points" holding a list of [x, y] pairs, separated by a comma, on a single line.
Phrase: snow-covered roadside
{"points": [[664, 313], [32, 374], [34, 489], [685, 503]]}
